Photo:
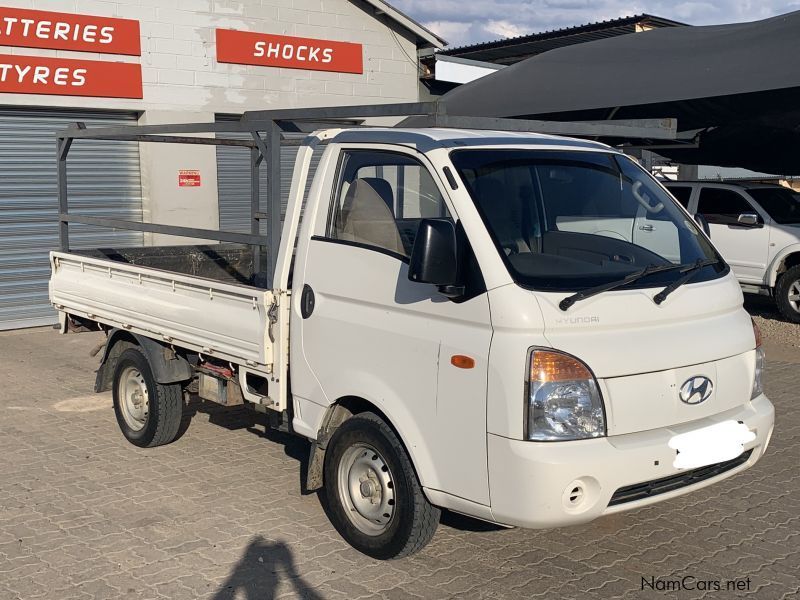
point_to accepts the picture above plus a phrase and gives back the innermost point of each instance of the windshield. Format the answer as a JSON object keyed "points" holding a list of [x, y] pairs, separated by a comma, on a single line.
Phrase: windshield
{"points": [[568, 220], [782, 204]]}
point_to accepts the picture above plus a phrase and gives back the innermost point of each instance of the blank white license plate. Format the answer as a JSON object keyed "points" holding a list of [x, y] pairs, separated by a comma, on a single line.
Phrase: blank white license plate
{"points": [[708, 445]]}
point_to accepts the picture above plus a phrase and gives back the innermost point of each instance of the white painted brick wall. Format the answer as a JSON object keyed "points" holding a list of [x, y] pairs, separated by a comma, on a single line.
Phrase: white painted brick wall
{"points": [[180, 71]]}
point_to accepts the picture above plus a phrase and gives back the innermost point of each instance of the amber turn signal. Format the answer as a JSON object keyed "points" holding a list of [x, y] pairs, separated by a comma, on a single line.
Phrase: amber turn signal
{"points": [[554, 366], [462, 362]]}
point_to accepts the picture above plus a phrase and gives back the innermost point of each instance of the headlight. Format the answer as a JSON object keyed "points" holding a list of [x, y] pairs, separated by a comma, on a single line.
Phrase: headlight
{"points": [[563, 400], [758, 379]]}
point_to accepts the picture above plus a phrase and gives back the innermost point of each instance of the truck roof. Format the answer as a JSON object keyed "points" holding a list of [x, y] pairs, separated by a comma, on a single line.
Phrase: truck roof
{"points": [[724, 182], [430, 138]]}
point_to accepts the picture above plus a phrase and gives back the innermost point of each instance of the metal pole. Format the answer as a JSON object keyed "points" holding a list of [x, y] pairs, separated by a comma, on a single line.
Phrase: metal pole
{"points": [[62, 149], [234, 237], [255, 208], [273, 159]]}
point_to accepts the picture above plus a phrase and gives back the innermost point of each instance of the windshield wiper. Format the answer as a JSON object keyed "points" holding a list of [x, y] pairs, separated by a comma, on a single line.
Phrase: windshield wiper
{"points": [[688, 271], [599, 289]]}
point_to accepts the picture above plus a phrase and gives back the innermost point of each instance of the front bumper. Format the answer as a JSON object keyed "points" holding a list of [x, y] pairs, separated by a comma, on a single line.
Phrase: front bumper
{"points": [[551, 484]]}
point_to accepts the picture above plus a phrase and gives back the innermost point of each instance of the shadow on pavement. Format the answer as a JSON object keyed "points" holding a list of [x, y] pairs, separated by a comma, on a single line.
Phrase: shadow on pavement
{"points": [[762, 306], [240, 417], [263, 566], [465, 523], [296, 447]]}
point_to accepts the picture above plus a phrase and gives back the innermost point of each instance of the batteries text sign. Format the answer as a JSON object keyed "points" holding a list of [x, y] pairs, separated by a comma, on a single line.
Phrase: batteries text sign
{"points": [[63, 31]]}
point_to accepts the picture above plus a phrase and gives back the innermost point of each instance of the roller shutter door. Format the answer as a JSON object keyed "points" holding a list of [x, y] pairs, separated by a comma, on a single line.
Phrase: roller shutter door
{"points": [[104, 180], [233, 177]]}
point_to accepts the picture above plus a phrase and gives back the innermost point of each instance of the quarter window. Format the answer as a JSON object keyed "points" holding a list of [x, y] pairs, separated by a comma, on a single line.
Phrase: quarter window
{"points": [[381, 197]]}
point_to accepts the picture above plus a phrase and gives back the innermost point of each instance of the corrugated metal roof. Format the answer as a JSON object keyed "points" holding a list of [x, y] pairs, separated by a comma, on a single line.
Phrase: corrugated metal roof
{"points": [[510, 50]]}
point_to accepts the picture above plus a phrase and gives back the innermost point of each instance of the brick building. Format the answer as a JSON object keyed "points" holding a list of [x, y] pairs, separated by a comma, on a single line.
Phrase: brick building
{"points": [[155, 61]]}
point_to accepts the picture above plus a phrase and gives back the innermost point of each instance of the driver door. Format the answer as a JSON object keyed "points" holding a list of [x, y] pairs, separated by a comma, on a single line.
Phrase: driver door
{"points": [[376, 335]]}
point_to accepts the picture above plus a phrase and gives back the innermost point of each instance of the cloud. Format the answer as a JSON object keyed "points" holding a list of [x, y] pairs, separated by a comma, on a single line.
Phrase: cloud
{"points": [[463, 22], [504, 29]]}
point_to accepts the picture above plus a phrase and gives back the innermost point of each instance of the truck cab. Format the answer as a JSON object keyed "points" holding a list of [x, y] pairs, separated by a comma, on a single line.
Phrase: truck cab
{"points": [[463, 319], [514, 407], [756, 226]]}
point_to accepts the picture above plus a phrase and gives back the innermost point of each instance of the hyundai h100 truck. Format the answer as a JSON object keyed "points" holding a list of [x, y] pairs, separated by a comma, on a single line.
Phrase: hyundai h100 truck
{"points": [[468, 320]]}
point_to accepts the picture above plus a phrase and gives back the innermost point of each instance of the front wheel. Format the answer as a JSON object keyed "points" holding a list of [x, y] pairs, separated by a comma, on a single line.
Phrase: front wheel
{"points": [[787, 294], [372, 492]]}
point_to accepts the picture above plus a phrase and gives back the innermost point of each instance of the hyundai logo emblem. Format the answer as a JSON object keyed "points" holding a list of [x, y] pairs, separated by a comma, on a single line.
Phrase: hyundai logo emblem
{"points": [[696, 390]]}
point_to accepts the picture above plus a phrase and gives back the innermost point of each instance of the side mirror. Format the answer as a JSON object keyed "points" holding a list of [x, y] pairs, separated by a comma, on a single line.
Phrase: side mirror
{"points": [[434, 258], [703, 222], [748, 219]]}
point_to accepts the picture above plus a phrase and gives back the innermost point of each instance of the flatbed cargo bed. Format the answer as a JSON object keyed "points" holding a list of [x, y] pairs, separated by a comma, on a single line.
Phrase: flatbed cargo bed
{"points": [[200, 298], [226, 263]]}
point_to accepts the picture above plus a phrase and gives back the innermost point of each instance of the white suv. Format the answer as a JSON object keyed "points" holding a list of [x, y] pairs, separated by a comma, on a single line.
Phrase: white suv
{"points": [[756, 227]]}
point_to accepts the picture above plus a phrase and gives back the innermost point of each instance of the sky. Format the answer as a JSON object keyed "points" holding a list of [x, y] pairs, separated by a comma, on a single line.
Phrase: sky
{"points": [[468, 21]]}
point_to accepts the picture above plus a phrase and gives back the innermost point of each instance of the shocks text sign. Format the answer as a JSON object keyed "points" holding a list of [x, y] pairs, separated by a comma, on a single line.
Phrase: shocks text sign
{"points": [[247, 48]]}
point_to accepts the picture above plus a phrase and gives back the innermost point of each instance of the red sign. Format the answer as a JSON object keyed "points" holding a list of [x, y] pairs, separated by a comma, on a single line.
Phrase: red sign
{"points": [[64, 31], [188, 178], [264, 49], [67, 77]]}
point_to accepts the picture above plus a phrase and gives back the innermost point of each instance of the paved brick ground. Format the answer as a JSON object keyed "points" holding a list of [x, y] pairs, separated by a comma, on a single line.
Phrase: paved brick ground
{"points": [[83, 514]]}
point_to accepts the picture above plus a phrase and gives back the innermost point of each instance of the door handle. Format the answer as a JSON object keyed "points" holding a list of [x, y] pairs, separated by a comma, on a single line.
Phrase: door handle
{"points": [[646, 227], [307, 301]]}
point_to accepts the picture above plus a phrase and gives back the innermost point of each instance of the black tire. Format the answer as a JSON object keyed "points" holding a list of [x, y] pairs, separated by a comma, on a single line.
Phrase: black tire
{"points": [[163, 403], [414, 519], [783, 289]]}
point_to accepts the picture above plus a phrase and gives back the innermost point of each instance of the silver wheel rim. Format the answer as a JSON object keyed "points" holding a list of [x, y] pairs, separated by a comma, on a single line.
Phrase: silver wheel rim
{"points": [[794, 295], [134, 399], [366, 488]]}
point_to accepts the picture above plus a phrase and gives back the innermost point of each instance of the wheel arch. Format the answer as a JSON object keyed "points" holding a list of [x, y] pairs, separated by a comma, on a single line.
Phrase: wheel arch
{"points": [[167, 365], [341, 410], [788, 258]]}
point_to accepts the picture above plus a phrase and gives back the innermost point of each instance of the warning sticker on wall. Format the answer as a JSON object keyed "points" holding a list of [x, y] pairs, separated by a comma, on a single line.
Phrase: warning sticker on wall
{"points": [[188, 178]]}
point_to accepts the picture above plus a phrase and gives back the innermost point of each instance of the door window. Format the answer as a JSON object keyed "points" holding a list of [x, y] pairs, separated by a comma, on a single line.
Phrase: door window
{"points": [[381, 197], [722, 206]]}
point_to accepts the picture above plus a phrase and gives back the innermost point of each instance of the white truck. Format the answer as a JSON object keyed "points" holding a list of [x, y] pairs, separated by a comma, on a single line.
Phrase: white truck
{"points": [[756, 227], [467, 320]]}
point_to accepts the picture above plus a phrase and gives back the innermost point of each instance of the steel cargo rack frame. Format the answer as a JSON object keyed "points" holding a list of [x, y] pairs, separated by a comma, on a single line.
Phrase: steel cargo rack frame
{"points": [[268, 130]]}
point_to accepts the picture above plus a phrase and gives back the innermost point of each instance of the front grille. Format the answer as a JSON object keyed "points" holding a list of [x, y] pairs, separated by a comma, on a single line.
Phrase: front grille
{"points": [[648, 489]]}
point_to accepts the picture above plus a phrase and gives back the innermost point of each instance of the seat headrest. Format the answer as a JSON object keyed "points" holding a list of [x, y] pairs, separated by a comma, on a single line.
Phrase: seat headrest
{"points": [[384, 189], [365, 217]]}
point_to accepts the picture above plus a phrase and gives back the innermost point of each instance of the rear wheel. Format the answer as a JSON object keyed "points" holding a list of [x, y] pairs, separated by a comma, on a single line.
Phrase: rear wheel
{"points": [[787, 294], [148, 413], [373, 495]]}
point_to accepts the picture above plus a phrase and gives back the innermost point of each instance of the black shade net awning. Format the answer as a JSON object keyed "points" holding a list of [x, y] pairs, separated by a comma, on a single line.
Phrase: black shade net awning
{"points": [[734, 89]]}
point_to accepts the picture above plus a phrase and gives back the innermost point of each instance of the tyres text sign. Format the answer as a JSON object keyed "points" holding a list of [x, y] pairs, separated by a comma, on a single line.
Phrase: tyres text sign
{"points": [[263, 49], [67, 77], [63, 31]]}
